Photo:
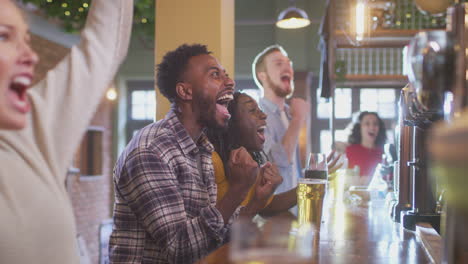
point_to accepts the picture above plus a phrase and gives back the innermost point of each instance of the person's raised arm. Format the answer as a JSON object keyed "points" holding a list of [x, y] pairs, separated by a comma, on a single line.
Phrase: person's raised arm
{"points": [[299, 112], [280, 147], [65, 101]]}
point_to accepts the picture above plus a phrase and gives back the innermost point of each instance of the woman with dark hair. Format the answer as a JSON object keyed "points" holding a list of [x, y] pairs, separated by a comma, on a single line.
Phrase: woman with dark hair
{"points": [[246, 129], [366, 143]]}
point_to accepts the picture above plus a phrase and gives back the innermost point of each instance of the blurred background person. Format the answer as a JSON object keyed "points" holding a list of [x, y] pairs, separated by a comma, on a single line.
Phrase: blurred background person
{"points": [[366, 143], [274, 75], [41, 128]]}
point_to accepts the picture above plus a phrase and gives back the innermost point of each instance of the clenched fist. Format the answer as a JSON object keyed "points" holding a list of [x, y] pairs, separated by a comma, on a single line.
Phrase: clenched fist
{"points": [[267, 181], [299, 109], [241, 169]]}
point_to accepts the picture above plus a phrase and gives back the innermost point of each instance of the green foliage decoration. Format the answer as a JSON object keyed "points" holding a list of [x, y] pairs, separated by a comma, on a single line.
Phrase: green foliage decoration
{"points": [[340, 70], [72, 14]]}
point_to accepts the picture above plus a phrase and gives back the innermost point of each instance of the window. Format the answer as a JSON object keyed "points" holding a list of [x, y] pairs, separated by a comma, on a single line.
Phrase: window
{"points": [[381, 101], [141, 106], [341, 135], [323, 107], [326, 139], [342, 104], [348, 101]]}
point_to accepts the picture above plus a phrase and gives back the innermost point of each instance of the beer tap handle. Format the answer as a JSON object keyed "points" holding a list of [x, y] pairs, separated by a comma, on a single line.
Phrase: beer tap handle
{"points": [[415, 163], [440, 202]]}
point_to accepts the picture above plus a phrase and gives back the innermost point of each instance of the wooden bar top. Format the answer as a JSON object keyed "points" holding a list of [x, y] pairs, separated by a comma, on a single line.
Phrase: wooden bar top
{"points": [[355, 234]]}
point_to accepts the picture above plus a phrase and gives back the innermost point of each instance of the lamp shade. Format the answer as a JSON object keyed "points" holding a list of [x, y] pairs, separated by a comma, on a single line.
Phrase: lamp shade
{"points": [[292, 17]]}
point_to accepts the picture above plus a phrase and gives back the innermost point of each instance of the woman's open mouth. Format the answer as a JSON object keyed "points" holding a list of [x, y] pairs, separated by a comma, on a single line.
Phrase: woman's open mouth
{"points": [[17, 93], [261, 133]]}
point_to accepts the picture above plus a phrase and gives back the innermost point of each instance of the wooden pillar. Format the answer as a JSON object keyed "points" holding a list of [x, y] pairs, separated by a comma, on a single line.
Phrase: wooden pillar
{"points": [[209, 22]]}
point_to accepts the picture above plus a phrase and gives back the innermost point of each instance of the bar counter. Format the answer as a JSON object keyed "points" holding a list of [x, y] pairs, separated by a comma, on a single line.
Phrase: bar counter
{"points": [[355, 234]]}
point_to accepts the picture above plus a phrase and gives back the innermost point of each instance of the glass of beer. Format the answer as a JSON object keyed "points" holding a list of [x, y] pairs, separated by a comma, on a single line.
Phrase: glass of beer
{"points": [[311, 190]]}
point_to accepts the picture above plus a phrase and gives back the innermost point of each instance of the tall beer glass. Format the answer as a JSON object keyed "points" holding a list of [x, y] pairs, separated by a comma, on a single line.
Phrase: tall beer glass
{"points": [[311, 190]]}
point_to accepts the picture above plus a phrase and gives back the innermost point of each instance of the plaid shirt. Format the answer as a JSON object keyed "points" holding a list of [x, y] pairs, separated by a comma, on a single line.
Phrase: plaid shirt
{"points": [[164, 209]]}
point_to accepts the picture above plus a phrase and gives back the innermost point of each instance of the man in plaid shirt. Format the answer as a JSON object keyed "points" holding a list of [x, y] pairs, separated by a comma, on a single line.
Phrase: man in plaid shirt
{"points": [[165, 193]]}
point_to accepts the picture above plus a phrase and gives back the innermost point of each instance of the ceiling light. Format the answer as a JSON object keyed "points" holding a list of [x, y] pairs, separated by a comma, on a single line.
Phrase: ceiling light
{"points": [[292, 17], [373, 15]]}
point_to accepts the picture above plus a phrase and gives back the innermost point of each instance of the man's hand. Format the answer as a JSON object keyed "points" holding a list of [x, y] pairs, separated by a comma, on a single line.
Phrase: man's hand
{"points": [[299, 109], [241, 170]]}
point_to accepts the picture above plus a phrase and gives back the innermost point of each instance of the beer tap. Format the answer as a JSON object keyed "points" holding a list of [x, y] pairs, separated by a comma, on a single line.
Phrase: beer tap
{"points": [[431, 62]]}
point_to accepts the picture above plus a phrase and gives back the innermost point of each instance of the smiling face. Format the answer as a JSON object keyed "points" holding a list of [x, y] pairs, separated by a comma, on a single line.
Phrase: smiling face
{"points": [[369, 128], [17, 61], [278, 75], [249, 124], [212, 90]]}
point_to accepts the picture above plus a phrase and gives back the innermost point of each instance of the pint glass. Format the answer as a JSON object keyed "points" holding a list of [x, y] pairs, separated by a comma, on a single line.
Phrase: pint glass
{"points": [[311, 190]]}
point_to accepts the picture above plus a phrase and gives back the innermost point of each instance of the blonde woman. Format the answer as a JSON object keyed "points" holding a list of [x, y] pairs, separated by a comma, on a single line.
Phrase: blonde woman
{"points": [[41, 127]]}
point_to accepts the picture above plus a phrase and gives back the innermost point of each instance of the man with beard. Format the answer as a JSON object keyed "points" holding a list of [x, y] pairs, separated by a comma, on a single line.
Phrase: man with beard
{"points": [[273, 74], [165, 193]]}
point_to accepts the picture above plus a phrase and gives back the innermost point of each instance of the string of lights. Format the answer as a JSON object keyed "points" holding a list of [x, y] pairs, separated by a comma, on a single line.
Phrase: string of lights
{"points": [[72, 14]]}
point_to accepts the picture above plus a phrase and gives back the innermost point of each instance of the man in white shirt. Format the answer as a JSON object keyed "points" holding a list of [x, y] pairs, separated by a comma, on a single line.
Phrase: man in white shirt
{"points": [[273, 73]]}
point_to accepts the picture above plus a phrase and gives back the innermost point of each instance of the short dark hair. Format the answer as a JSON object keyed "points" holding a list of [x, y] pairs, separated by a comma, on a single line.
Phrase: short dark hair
{"points": [[355, 136], [225, 141], [173, 66]]}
